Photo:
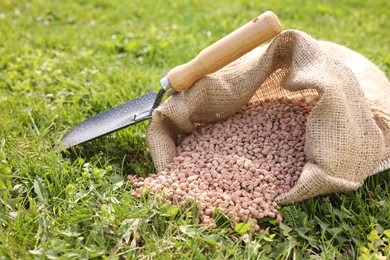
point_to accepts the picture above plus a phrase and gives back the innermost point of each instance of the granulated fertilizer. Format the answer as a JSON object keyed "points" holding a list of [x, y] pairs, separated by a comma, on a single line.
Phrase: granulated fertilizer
{"points": [[238, 165]]}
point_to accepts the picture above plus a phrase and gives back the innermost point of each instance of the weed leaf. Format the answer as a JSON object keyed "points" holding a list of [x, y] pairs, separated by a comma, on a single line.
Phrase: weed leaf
{"points": [[5, 181], [40, 190], [285, 229], [242, 228]]}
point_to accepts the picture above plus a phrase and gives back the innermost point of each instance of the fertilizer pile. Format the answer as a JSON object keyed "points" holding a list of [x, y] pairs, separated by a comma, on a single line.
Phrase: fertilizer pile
{"points": [[238, 165]]}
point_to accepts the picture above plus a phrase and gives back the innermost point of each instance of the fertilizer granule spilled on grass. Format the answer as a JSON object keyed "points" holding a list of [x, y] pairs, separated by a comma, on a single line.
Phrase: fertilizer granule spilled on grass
{"points": [[238, 165]]}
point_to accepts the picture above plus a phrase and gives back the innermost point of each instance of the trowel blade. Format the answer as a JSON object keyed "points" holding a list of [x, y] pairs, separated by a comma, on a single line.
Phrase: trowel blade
{"points": [[111, 120]]}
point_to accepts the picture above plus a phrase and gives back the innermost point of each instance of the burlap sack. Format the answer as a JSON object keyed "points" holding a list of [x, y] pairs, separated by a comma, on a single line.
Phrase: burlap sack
{"points": [[347, 132]]}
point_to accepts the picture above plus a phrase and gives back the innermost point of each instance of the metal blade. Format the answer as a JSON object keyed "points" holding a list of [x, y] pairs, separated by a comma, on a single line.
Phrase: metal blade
{"points": [[121, 116]]}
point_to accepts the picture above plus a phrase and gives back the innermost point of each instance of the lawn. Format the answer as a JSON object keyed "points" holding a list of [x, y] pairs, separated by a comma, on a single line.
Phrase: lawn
{"points": [[63, 61]]}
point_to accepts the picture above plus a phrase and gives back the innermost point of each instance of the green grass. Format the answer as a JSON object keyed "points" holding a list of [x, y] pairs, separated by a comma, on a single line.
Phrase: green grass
{"points": [[63, 61]]}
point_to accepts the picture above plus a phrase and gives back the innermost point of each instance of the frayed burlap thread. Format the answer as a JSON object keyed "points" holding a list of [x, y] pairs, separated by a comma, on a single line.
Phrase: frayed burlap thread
{"points": [[347, 132]]}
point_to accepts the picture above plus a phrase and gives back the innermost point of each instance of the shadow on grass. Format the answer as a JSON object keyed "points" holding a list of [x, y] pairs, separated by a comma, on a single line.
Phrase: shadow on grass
{"points": [[130, 155]]}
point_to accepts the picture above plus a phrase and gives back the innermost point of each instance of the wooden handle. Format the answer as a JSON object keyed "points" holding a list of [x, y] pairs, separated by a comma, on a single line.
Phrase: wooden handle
{"points": [[226, 50]]}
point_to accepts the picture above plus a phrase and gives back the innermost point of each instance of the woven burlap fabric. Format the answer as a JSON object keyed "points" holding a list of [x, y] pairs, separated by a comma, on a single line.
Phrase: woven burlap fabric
{"points": [[347, 132]]}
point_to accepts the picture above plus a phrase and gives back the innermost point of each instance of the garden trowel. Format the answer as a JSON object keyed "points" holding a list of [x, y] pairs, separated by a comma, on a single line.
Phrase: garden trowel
{"points": [[180, 78]]}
